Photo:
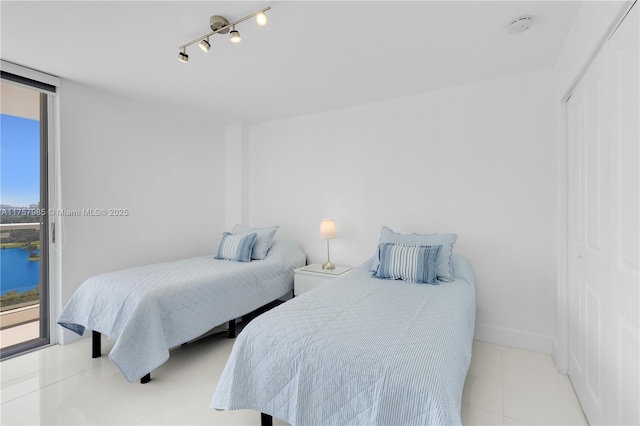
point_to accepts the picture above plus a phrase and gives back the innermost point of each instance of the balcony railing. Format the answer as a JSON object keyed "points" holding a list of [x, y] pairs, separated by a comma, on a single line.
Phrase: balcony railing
{"points": [[12, 226], [22, 311]]}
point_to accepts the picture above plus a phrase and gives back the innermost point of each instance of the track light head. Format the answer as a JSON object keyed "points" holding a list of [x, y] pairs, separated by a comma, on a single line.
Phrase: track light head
{"points": [[235, 35], [205, 45], [261, 19], [183, 57]]}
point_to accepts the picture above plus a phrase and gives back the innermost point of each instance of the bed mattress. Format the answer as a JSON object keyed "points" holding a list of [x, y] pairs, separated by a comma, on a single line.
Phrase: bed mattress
{"points": [[358, 350], [148, 310]]}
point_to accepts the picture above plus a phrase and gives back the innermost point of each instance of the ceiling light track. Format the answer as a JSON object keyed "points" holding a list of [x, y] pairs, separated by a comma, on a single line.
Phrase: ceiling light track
{"points": [[220, 25]]}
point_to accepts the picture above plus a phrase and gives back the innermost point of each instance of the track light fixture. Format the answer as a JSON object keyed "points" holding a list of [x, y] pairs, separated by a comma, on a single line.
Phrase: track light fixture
{"points": [[182, 56], [221, 25], [234, 35], [205, 45]]}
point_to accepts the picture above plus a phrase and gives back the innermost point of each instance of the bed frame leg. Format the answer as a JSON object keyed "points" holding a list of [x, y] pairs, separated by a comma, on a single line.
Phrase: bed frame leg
{"points": [[232, 329], [266, 420], [146, 379], [96, 345]]}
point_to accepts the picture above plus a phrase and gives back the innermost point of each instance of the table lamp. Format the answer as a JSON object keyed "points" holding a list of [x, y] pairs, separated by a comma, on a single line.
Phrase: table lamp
{"points": [[328, 232]]}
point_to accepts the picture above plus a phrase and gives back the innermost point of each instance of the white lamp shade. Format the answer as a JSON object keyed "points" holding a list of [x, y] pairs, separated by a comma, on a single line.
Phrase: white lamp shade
{"points": [[328, 229]]}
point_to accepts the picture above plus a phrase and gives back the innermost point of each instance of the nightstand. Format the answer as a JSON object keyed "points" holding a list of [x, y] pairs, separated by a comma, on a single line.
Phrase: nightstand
{"points": [[312, 276]]}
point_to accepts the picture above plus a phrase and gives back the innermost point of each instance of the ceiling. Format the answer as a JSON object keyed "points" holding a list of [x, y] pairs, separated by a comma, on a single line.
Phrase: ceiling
{"points": [[313, 56]]}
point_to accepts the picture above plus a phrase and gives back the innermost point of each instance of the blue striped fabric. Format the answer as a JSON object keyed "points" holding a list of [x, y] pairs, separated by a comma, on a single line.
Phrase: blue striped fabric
{"points": [[358, 351], [415, 264], [443, 265], [150, 309], [236, 247], [264, 239]]}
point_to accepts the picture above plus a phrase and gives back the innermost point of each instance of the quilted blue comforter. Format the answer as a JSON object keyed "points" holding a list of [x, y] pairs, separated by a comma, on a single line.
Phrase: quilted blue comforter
{"points": [[359, 350], [148, 310]]}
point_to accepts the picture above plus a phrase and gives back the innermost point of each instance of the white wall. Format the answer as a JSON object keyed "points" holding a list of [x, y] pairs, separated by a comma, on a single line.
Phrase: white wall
{"points": [[236, 178], [168, 170], [478, 160]]}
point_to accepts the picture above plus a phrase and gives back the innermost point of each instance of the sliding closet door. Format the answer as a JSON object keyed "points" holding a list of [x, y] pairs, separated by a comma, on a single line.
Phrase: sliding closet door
{"points": [[624, 253], [588, 255], [604, 186]]}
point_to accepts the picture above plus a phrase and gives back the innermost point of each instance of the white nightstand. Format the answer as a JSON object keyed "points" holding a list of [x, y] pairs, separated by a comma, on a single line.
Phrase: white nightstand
{"points": [[312, 276]]}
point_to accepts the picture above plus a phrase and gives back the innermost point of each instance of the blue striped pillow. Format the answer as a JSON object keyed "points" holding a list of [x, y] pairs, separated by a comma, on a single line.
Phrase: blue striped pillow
{"points": [[409, 263], [236, 247], [443, 265], [264, 239]]}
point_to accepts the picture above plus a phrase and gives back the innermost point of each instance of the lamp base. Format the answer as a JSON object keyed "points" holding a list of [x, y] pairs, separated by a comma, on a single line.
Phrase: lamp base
{"points": [[328, 265]]}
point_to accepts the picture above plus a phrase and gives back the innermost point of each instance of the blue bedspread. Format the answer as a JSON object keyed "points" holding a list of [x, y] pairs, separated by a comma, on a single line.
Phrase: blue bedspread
{"points": [[358, 350], [150, 309]]}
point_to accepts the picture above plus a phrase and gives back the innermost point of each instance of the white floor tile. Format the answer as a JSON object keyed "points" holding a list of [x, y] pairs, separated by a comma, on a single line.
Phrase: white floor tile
{"points": [[27, 373], [198, 400], [508, 421], [64, 385], [20, 387], [22, 411], [98, 396], [535, 393], [175, 415], [19, 366], [483, 385], [472, 416], [189, 367], [525, 353]]}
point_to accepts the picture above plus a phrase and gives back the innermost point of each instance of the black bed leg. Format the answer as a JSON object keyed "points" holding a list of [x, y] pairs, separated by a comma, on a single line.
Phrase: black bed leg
{"points": [[232, 329], [96, 346], [266, 419], [146, 379]]}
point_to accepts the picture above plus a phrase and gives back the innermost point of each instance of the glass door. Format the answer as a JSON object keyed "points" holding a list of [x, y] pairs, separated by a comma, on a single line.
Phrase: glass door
{"points": [[24, 242]]}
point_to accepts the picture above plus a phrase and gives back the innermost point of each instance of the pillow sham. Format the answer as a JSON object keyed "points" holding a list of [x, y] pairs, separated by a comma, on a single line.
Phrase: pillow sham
{"points": [[416, 264], [264, 239], [236, 247], [443, 265]]}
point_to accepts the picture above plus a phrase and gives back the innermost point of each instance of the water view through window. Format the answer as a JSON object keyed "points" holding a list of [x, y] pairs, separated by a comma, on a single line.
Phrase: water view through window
{"points": [[21, 221]]}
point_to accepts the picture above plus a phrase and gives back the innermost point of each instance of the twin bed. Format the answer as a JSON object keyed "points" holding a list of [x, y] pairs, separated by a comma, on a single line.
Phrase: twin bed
{"points": [[151, 309], [359, 350]]}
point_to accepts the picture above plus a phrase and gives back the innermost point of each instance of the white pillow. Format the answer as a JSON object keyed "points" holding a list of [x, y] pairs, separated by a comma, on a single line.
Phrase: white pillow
{"points": [[264, 239]]}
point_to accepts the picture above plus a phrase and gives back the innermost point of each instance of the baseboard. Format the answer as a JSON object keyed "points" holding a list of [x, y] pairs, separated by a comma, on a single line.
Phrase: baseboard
{"points": [[557, 356], [67, 336], [514, 338]]}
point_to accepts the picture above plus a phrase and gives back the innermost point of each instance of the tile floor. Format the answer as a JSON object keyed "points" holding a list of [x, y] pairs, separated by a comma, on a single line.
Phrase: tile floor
{"points": [[64, 385]]}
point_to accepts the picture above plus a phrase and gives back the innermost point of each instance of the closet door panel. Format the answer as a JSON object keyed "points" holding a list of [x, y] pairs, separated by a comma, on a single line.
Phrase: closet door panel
{"points": [[603, 141], [624, 189], [588, 242]]}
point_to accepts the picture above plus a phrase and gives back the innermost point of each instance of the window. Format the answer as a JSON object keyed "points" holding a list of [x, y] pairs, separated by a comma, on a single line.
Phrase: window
{"points": [[24, 223]]}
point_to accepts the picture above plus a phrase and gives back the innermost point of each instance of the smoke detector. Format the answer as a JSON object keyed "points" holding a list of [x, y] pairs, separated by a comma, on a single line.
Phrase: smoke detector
{"points": [[520, 25]]}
